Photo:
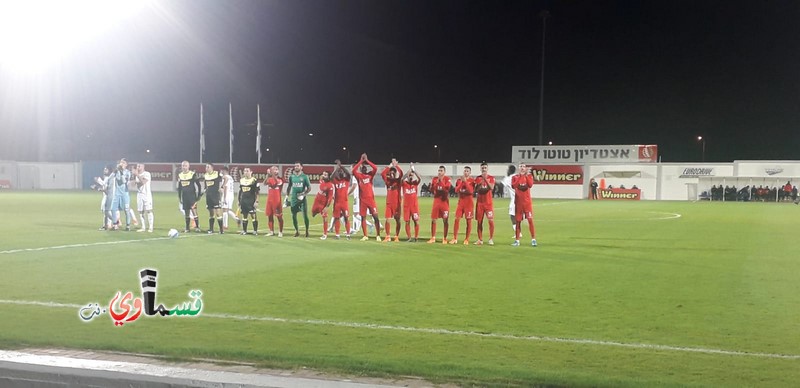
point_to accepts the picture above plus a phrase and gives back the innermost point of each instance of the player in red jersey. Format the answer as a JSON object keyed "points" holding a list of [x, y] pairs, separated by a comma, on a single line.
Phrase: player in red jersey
{"points": [[341, 208], [465, 187], [365, 171], [274, 183], [484, 186], [440, 187], [522, 184], [410, 204], [393, 176], [322, 200]]}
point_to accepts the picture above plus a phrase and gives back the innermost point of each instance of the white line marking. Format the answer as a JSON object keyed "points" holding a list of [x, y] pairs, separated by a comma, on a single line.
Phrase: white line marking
{"points": [[669, 216], [373, 326], [92, 244]]}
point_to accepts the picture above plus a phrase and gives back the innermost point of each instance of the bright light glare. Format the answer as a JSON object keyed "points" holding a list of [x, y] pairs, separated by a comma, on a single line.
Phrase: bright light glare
{"points": [[35, 33]]}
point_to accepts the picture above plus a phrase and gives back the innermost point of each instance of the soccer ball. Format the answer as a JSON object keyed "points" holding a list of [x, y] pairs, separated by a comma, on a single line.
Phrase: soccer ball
{"points": [[173, 233]]}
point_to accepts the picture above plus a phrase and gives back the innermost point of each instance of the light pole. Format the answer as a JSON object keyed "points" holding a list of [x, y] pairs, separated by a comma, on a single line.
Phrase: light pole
{"points": [[544, 15], [347, 151], [438, 153], [703, 141]]}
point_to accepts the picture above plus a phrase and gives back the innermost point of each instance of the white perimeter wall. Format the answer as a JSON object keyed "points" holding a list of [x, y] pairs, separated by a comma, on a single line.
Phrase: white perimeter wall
{"points": [[658, 181], [48, 176], [767, 169], [675, 187]]}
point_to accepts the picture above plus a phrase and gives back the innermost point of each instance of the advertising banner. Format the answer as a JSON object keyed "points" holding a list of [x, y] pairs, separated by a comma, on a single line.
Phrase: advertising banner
{"points": [[165, 172], [623, 194], [557, 175], [694, 172], [584, 154]]}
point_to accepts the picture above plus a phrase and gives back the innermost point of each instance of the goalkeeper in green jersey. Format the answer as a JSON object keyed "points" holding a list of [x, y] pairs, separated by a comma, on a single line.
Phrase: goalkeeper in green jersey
{"points": [[296, 191]]}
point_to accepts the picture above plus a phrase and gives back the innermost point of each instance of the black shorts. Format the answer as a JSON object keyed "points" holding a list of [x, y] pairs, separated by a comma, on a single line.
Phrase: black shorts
{"points": [[248, 208], [212, 203], [188, 203]]}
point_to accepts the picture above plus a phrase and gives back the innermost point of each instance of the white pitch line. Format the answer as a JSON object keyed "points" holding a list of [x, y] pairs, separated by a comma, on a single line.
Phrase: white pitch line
{"points": [[92, 244], [670, 216], [373, 326]]}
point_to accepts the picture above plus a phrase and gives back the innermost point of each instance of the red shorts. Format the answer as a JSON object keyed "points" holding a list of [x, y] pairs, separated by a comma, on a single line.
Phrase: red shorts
{"points": [[341, 209], [319, 206], [392, 209], [484, 209], [273, 209], [465, 209], [410, 211], [441, 209], [524, 211], [367, 204]]}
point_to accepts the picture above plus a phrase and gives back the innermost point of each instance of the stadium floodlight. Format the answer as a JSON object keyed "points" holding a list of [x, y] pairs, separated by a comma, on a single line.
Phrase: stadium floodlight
{"points": [[703, 141], [36, 33]]}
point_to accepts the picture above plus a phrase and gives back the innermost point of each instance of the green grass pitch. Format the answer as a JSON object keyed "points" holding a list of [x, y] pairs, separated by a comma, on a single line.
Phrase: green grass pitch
{"points": [[617, 294]]}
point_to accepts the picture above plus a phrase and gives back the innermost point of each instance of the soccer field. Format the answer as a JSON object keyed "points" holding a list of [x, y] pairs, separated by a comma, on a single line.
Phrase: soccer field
{"points": [[616, 294]]}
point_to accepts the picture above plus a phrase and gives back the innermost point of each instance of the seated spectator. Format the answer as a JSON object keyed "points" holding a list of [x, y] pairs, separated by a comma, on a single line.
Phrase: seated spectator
{"points": [[744, 194], [787, 190], [634, 188], [622, 187]]}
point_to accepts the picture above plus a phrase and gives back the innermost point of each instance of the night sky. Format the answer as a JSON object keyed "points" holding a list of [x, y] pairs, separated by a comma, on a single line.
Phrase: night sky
{"points": [[393, 78]]}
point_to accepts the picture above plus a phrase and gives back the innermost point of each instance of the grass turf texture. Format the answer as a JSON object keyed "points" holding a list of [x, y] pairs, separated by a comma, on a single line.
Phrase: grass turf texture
{"points": [[722, 276]]}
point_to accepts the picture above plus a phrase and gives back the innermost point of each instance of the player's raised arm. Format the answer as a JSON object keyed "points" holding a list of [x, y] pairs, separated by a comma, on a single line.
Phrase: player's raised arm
{"points": [[374, 169], [385, 173], [357, 168]]}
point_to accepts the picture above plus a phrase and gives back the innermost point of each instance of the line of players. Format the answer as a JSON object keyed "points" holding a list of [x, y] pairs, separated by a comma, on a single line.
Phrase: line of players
{"points": [[402, 191], [116, 197]]}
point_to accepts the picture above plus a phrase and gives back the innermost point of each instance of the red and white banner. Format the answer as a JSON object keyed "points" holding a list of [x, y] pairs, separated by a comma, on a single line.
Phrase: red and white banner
{"points": [[623, 194], [584, 154], [557, 175]]}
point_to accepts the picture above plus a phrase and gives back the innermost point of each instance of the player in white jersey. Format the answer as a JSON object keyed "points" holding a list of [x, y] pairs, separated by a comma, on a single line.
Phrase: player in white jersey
{"points": [[100, 184], [509, 192], [356, 210], [144, 198], [228, 195]]}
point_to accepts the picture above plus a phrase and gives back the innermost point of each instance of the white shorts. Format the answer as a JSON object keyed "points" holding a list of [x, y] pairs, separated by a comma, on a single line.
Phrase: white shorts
{"points": [[356, 203], [103, 203], [144, 203], [227, 203], [512, 209]]}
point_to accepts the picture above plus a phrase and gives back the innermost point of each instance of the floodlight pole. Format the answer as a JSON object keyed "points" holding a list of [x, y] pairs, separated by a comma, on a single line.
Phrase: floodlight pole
{"points": [[703, 145], [544, 15], [704, 150]]}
